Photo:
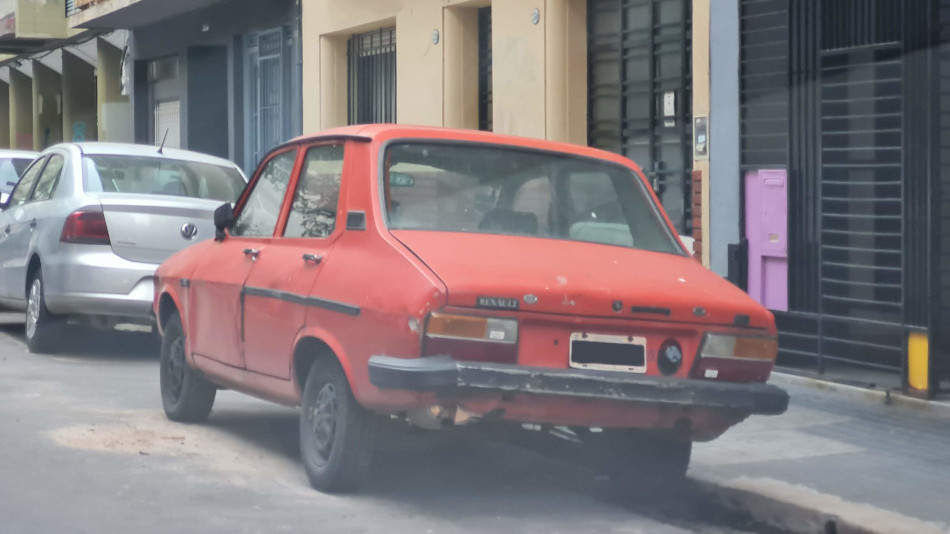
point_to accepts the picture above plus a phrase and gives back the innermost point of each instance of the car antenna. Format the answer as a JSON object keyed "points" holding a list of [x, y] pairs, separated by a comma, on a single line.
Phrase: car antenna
{"points": [[161, 148]]}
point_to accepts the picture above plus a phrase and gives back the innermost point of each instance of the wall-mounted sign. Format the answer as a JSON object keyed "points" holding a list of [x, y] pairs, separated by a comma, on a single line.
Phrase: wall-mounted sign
{"points": [[669, 109], [701, 138]]}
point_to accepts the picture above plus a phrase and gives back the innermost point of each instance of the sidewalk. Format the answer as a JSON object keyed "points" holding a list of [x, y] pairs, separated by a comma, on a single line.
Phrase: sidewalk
{"points": [[841, 442]]}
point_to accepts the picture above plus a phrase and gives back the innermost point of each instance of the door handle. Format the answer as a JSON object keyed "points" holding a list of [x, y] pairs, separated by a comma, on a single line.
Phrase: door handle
{"points": [[313, 258], [7, 230], [253, 253], [33, 224]]}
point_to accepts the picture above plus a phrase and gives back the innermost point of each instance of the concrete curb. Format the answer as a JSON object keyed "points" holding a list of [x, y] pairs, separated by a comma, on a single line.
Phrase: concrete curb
{"points": [[882, 396], [799, 509]]}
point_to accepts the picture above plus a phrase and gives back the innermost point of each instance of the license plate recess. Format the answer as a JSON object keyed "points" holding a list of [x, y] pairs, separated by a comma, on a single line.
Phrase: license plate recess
{"points": [[608, 352]]}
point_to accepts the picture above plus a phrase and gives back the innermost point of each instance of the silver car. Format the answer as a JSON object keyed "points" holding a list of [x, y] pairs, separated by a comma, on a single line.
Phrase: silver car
{"points": [[87, 225], [12, 165]]}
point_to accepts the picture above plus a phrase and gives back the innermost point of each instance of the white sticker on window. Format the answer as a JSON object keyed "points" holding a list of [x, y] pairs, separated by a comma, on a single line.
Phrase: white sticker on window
{"points": [[712, 373], [497, 334]]}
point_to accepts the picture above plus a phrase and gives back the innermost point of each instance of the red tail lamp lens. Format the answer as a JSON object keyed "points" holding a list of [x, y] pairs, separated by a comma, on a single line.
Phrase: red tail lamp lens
{"points": [[86, 227]]}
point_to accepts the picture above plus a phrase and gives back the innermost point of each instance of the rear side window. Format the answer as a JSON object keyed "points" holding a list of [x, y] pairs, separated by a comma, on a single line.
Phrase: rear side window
{"points": [[313, 213], [49, 179], [258, 217], [22, 191], [146, 175]]}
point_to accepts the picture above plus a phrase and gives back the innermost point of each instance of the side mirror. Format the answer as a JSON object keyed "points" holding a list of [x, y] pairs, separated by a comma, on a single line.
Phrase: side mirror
{"points": [[223, 220]]}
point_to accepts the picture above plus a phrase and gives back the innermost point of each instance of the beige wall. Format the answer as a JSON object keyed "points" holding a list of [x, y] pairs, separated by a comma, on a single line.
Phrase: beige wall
{"points": [[41, 18], [21, 110], [539, 70], [47, 107], [114, 109], [701, 105], [79, 100], [4, 115]]}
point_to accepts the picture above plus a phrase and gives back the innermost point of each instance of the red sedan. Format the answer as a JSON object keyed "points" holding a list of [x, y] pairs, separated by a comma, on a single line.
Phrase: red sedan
{"points": [[452, 277]]}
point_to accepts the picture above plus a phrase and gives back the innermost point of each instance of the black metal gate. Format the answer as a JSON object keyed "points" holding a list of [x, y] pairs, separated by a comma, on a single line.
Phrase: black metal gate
{"points": [[372, 77], [640, 93], [485, 104], [857, 115]]}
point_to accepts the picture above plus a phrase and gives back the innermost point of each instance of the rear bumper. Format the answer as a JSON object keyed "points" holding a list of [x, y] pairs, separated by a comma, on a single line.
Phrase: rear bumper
{"points": [[441, 373], [92, 280]]}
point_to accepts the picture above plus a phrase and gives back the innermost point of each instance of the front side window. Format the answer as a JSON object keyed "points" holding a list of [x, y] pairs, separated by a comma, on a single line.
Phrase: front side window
{"points": [[49, 179], [501, 190], [313, 212], [258, 217], [22, 191]]}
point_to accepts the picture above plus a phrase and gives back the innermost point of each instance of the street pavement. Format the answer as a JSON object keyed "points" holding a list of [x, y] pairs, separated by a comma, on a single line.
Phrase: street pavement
{"points": [[85, 448], [893, 458]]}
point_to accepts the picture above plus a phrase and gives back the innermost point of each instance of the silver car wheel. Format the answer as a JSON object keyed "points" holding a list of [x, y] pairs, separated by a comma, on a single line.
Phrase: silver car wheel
{"points": [[33, 307]]}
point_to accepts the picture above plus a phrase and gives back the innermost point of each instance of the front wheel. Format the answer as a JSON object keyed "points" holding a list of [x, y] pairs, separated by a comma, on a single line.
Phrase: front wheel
{"points": [[336, 433], [43, 330], [186, 395]]}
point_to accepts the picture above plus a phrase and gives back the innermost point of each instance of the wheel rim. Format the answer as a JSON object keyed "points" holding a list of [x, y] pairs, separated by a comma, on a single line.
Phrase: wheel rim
{"points": [[322, 418], [33, 308], [175, 368]]}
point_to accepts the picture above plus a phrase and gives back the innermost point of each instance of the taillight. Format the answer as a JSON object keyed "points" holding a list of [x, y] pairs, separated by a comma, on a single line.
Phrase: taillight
{"points": [[473, 338], [86, 227]]}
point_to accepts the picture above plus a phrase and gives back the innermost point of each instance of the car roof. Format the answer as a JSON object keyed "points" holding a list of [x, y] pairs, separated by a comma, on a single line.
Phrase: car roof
{"points": [[7, 153], [129, 149], [373, 132]]}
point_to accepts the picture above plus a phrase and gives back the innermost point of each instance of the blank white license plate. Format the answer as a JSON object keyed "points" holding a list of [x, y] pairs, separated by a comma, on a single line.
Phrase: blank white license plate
{"points": [[608, 353]]}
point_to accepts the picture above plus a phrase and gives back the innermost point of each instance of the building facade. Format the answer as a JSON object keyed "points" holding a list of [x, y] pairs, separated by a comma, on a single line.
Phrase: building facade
{"points": [[216, 77], [798, 144]]}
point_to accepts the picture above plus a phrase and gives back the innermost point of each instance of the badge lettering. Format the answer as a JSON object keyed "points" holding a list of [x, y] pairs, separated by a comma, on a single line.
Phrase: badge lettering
{"points": [[497, 303]]}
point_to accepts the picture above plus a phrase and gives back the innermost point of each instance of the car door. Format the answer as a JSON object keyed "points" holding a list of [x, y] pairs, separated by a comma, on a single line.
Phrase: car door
{"points": [[217, 284], [14, 242], [276, 293]]}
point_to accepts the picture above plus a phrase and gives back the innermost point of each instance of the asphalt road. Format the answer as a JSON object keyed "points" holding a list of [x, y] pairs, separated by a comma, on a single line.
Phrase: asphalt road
{"points": [[85, 447]]}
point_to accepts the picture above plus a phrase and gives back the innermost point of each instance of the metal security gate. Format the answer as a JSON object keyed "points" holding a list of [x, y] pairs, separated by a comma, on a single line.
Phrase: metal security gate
{"points": [[861, 192], [640, 98], [267, 70], [485, 106], [854, 127], [372, 77]]}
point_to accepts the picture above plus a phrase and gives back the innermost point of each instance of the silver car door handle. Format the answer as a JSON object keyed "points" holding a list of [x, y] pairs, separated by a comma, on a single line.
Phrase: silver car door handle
{"points": [[33, 224], [312, 258], [252, 252], [7, 231]]}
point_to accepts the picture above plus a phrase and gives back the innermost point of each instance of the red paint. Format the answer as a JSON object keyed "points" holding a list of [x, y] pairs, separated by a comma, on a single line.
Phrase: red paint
{"points": [[397, 279]]}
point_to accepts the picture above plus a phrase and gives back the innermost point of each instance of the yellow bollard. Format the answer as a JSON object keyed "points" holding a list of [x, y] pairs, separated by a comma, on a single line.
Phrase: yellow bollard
{"points": [[918, 361]]}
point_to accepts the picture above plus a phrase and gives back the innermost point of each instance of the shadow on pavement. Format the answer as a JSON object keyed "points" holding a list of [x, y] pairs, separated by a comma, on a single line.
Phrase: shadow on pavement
{"points": [[446, 473], [80, 341]]}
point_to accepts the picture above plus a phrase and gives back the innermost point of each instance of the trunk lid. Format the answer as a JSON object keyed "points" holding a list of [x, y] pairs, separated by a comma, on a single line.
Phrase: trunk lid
{"points": [[580, 279], [150, 228]]}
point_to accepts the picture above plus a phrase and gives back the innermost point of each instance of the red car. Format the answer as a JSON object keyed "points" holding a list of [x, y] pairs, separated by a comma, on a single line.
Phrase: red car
{"points": [[453, 277]]}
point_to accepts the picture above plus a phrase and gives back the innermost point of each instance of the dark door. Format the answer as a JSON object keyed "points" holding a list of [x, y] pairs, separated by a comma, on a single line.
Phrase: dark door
{"points": [[640, 94]]}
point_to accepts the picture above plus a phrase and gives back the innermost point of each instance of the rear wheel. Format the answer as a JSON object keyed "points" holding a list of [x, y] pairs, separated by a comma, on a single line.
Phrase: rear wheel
{"points": [[186, 395], [43, 330], [336, 433]]}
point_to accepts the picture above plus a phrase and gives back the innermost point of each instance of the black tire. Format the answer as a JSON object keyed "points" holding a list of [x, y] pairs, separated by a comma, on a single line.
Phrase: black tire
{"points": [[43, 330], [336, 433], [186, 395], [643, 460]]}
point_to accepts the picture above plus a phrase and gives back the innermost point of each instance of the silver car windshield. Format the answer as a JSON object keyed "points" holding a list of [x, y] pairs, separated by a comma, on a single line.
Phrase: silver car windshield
{"points": [[160, 176], [457, 187]]}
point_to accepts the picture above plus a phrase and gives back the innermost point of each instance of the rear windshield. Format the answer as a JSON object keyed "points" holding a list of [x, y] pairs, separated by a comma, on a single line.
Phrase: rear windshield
{"points": [[455, 187], [160, 176]]}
